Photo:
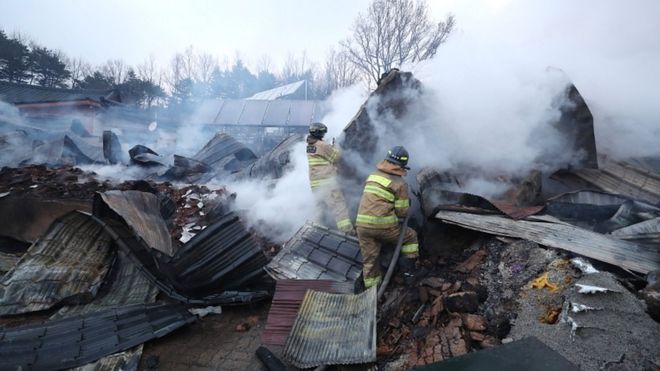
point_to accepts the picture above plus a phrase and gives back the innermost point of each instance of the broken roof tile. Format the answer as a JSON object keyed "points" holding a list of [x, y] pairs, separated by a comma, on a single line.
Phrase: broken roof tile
{"points": [[316, 252], [333, 329], [78, 340]]}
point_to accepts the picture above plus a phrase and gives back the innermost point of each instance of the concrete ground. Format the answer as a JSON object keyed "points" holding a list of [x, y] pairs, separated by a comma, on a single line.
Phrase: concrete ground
{"points": [[210, 344]]}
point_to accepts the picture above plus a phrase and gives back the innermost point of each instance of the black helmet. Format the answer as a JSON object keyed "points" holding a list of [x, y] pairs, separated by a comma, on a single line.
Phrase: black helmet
{"points": [[398, 156], [318, 130]]}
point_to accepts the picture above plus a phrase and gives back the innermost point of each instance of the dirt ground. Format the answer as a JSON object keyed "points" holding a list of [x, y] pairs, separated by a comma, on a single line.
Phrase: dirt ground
{"points": [[210, 344]]}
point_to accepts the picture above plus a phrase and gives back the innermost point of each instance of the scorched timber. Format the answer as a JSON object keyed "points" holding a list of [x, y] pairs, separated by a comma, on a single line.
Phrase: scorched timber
{"points": [[562, 236]]}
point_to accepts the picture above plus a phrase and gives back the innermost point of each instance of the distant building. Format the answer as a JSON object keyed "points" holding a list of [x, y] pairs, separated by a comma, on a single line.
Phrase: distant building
{"points": [[59, 106], [260, 124], [295, 90]]}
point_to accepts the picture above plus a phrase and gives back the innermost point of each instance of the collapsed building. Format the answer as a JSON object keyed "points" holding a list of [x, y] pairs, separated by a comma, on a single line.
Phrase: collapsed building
{"points": [[560, 269]]}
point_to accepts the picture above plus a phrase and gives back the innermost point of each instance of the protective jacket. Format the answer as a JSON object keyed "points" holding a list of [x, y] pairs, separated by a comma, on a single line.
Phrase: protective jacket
{"points": [[322, 159], [385, 198]]}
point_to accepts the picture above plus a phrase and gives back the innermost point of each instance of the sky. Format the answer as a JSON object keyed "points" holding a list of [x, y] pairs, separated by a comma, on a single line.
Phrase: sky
{"points": [[98, 30]]}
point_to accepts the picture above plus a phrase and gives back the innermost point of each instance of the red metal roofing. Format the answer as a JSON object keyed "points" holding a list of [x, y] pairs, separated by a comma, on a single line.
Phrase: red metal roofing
{"points": [[288, 297]]}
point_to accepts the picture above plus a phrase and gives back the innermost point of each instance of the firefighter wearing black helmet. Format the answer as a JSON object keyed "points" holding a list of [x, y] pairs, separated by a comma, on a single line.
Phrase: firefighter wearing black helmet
{"points": [[384, 201], [322, 159]]}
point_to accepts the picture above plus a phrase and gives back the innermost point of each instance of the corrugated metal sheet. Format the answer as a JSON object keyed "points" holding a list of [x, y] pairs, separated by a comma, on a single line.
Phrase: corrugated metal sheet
{"points": [[222, 146], [8, 261], [224, 256], [333, 329], [316, 252], [78, 340], [141, 211], [289, 295], [124, 285], [67, 264], [220, 265], [563, 236]]}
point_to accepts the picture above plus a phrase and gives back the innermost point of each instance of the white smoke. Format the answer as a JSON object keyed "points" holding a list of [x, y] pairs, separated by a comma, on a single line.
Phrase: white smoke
{"points": [[493, 90], [493, 67], [342, 104], [278, 210]]}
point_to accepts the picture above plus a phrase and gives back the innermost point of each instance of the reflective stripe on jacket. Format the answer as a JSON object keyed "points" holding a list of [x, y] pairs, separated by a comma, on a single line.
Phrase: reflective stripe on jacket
{"points": [[385, 198], [322, 159]]}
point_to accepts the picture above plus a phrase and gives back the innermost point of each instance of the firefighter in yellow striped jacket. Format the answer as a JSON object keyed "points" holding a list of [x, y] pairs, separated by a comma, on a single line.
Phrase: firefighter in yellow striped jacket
{"points": [[384, 201], [322, 159]]}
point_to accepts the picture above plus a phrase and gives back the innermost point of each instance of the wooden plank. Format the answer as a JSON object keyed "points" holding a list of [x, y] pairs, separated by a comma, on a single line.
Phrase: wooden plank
{"points": [[613, 184], [562, 236], [641, 179]]}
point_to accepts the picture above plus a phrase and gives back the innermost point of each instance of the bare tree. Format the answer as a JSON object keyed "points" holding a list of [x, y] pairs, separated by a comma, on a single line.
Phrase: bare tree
{"points": [[294, 68], [205, 63], [264, 63], [394, 32], [148, 70], [79, 69], [116, 70], [338, 71]]}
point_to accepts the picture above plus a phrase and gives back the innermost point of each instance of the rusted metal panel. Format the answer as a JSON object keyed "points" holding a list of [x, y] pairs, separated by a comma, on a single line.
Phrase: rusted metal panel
{"points": [[141, 211], [67, 264], [333, 329], [316, 252], [562, 236], [289, 295]]}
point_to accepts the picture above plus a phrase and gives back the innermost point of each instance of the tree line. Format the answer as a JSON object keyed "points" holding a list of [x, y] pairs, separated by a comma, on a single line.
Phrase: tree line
{"points": [[389, 34]]}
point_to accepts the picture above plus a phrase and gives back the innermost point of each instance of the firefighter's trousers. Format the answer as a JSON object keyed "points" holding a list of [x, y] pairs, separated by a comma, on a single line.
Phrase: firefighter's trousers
{"points": [[330, 198], [371, 241]]}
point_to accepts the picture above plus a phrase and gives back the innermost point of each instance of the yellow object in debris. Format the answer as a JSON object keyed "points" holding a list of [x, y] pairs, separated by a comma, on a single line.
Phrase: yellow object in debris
{"points": [[542, 282]]}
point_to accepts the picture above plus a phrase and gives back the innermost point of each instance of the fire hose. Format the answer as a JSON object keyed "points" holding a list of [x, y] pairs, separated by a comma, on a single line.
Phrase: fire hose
{"points": [[395, 258]]}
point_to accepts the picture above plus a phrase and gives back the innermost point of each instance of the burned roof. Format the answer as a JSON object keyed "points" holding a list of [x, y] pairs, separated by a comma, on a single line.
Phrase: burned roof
{"points": [[24, 94], [67, 264], [316, 252], [220, 265], [78, 340]]}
